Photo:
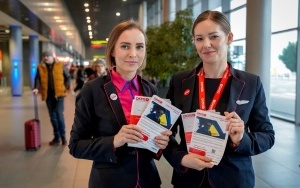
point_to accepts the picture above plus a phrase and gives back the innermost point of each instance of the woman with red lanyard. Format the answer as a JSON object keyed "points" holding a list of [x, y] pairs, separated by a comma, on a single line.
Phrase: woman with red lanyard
{"points": [[101, 128], [216, 86]]}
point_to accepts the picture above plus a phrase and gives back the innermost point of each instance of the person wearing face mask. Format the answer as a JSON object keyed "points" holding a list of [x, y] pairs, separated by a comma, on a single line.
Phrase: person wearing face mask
{"points": [[101, 128], [240, 98], [51, 81]]}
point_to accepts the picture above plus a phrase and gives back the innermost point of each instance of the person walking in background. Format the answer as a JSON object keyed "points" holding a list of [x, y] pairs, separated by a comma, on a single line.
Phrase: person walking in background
{"points": [[51, 81], [72, 70], [99, 67], [240, 98], [101, 128], [89, 74], [80, 78]]}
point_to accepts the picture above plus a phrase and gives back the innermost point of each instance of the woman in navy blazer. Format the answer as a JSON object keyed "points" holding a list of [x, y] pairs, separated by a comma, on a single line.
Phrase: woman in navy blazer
{"points": [[241, 100], [101, 128]]}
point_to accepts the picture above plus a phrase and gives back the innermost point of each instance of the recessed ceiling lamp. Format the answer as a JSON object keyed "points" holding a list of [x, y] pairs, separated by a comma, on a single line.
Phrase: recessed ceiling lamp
{"points": [[48, 9], [68, 33], [63, 27], [88, 19]]}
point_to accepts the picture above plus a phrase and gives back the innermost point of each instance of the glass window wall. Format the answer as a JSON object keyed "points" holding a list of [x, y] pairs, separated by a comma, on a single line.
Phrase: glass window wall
{"points": [[283, 78], [283, 59], [284, 29]]}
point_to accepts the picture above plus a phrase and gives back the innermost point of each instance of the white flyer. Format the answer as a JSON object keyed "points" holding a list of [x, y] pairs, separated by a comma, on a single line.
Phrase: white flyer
{"points": [[139, 105], [158, 116], [209, 137], [188, 120]]}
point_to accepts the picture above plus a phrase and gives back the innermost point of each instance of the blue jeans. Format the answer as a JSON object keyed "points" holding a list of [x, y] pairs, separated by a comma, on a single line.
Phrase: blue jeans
{"points": [[56, 111]]}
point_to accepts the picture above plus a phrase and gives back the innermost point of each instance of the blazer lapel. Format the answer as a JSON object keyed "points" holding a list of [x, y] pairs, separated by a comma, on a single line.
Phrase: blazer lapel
{"points": [[115, 103], [146, 89], [235, 93], [187, 92]]}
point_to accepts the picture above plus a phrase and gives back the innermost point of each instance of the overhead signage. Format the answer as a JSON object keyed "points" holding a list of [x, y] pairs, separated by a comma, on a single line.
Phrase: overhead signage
{"points": [[98, 43]]}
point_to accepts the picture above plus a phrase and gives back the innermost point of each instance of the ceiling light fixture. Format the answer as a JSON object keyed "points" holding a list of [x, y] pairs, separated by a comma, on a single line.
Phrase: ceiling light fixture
{"points": [[63, 27], [48, 9], [69, 33]]}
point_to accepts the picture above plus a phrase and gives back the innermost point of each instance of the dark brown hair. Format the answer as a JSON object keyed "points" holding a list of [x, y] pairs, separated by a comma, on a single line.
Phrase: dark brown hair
{"points": [[214, 16]]}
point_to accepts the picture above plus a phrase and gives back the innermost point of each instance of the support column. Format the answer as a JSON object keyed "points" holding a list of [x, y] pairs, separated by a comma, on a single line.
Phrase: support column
{"points": [[143, 15], [172, 10], [258, 45], [165, 11], [226, 8], [16, 60], [297, 105], [204, 5], [159, 12], [33, 57], [183, 5]]}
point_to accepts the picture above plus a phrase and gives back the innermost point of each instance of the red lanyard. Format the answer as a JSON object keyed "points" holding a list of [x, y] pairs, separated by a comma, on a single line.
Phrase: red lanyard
{"points": [[218, 93]]}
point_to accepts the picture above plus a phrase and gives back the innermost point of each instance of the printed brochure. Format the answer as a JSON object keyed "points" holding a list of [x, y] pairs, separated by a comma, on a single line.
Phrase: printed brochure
{"points": [[208, 137], [188, 120], [158, 116]]}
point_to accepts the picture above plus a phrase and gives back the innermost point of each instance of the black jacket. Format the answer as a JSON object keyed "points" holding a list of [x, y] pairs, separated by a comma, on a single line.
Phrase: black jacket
{"points": [[235, 169], [97, 119]]}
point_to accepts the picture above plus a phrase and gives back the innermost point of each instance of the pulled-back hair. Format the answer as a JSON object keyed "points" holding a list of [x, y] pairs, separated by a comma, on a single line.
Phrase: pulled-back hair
{"points": [[214, 16]]}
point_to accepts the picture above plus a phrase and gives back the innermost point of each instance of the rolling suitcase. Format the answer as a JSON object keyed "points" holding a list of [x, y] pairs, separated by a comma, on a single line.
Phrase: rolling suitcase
{"points": [[33, 130]]}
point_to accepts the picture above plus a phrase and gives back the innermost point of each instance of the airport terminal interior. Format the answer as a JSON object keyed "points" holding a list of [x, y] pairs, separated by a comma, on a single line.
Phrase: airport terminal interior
{"points": [[54, 167]]}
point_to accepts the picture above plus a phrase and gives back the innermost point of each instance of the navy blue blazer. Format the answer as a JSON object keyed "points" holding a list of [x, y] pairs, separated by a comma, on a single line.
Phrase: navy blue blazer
{"points": [[235, 168], [98, 118]]}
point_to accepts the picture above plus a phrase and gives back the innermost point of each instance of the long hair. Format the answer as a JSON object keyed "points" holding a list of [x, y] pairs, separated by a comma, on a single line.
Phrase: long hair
{"points": [[114, 36]]}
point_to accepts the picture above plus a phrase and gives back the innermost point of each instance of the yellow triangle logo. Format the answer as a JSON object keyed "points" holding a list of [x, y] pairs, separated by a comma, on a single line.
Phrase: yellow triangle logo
{"points": [[213, 131]]}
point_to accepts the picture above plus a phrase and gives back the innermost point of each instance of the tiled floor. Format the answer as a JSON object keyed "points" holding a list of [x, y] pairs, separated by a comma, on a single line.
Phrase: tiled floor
{"points": [[53, 167]]}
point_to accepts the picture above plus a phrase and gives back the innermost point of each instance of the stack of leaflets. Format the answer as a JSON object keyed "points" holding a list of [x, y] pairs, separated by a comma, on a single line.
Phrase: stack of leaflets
{"points": [[154, 115], [205, 134]]}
